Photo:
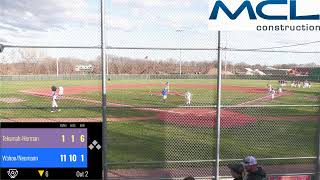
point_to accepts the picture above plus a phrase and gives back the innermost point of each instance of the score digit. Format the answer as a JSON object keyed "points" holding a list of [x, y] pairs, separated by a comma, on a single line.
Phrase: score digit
{"points": [[63, 158], [82, 138], [73, 158], [63, 138]]}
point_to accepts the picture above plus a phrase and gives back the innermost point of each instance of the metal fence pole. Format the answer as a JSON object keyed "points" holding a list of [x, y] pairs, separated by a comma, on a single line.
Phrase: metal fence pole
{"points": [[317, 173], [104, 93], [218, 110]]}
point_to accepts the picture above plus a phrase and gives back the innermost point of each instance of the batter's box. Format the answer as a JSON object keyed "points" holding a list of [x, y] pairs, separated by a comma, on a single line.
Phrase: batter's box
{"points": [[11, 100]]}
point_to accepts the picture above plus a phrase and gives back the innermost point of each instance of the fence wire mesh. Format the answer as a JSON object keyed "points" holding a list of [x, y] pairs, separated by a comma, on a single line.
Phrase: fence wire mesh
{"points": [[162, 89]]}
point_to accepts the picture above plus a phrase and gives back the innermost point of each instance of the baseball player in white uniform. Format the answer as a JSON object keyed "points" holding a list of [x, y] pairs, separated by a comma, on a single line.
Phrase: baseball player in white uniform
{"points": [[61, 91], [188, 97], [269, 88], [54, 97], [306, 84], [273, 92]]}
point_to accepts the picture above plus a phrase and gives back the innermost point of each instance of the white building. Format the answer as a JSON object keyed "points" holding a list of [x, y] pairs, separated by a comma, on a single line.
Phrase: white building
{"points": [[84, 68]]}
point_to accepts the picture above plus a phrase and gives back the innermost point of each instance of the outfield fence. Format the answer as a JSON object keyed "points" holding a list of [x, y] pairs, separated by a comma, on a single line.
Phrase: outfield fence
{"points": [[148, 137], [47, 77]]}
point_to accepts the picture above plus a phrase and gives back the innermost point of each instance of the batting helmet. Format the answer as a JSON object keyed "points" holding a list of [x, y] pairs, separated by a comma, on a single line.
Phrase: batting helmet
{"points": [[53, 88]]}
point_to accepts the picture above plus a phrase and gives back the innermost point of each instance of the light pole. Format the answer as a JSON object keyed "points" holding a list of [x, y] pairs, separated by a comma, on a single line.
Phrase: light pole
{"points": [[180, 37]]}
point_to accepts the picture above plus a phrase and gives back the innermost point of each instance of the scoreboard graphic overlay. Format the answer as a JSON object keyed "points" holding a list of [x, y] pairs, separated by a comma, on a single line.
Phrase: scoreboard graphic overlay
{"points": [[51, 150]]}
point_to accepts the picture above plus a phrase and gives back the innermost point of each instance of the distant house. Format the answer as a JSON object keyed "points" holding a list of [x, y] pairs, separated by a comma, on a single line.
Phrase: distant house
{"points": [[212, 71], [252, 72], [300, 71], [305, 71], [278, 72]]}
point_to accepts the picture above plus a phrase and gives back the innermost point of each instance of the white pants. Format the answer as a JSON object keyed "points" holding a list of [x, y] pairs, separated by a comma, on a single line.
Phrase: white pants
{"points": [[54, 103], [188, 100], [272, 96]]}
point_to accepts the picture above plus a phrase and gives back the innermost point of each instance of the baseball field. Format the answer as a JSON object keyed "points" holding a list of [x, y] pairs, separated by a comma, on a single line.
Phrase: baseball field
{"points": [[143, 128]]}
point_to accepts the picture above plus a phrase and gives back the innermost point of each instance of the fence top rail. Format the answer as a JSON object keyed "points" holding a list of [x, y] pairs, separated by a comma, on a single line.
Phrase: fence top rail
{"points": [[213, 160], [108, 47], [158, 48]]}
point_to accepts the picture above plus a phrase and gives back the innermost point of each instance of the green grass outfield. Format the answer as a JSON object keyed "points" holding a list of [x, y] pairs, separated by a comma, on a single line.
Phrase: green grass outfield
{"points": [[155, 140]]}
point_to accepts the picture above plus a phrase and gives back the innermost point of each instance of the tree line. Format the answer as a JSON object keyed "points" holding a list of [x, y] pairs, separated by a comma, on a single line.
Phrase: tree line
{"points": [[34, 63]]}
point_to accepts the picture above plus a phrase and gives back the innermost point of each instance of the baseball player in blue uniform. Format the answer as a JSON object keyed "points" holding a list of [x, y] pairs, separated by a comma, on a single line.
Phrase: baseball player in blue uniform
{"points": [[164, 94]]}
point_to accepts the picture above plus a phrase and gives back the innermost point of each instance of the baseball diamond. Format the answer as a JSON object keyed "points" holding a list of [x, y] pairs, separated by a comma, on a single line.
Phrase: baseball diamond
{"points": [[138, 119]]}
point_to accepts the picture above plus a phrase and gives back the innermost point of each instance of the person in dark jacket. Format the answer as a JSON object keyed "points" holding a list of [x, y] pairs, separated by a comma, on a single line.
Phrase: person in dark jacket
{"points": [[189, 178], [253, 171], [237, 171]]}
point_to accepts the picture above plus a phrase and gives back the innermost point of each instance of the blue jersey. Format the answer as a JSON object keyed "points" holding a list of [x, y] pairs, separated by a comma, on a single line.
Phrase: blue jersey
{"points": [[164, 92]]}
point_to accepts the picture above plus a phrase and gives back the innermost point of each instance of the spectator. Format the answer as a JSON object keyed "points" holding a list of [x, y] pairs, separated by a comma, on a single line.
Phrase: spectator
{"points": [[254, 172], [237, 171], [189, 178]]}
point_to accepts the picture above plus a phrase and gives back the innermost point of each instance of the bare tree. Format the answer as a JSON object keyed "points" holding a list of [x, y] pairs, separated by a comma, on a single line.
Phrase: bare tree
{"points": [[30, 59]]}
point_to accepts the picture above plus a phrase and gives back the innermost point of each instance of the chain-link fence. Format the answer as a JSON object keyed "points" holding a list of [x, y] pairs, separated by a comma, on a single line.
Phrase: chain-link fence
{"points": [[167, 117]]}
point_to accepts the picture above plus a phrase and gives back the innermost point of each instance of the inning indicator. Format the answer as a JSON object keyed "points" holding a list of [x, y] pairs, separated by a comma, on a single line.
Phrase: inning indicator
{"points": [[51, 150]]}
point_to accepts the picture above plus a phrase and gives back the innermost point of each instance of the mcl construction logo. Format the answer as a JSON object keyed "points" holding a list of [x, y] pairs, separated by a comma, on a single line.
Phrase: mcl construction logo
{"points": [[265, 15]]}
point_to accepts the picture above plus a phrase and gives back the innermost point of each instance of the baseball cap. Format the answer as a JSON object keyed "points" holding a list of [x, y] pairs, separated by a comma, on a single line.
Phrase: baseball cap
{"points": [[238, 168], [249, 161]]}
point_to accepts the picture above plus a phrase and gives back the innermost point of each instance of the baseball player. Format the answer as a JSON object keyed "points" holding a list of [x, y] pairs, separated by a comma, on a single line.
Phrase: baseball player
{"points": [[167, 86], [164, 94], [299, 84], [61, 91], [269, 88], [273, 92], [280, 90], [54, 106], [306, 84], [188, 97]]}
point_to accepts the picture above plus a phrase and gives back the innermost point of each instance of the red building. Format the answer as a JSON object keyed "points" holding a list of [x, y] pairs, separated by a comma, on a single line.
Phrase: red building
{"points": [[300, 71]]}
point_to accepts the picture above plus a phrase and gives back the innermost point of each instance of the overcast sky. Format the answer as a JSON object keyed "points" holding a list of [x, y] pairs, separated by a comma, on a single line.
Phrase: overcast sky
{"points": [[138, 23]]}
